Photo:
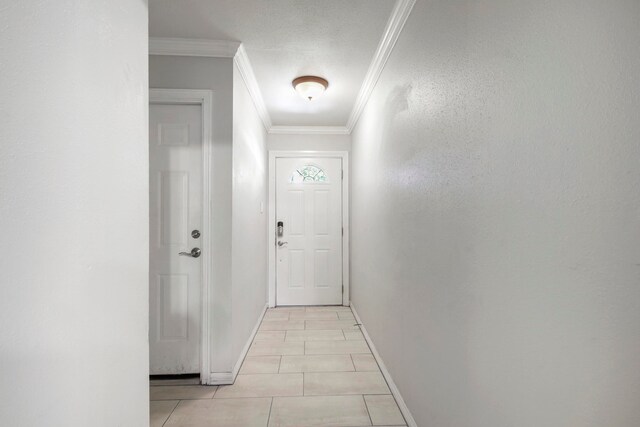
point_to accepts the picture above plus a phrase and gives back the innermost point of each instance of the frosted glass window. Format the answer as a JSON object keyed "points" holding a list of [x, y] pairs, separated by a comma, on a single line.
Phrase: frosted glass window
{"points": [[308, 173]]}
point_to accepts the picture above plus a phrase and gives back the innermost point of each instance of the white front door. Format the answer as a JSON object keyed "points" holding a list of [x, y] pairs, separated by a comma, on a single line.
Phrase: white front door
{"points": [[309, 246], [175, 210]]}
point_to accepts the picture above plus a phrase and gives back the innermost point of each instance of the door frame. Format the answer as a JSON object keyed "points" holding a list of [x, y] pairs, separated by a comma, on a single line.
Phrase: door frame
{"points": [[271, 233], [204, 98]]}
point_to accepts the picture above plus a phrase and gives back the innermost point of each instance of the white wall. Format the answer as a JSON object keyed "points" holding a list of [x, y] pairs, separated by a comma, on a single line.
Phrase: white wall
{"points": [[249, 215], [496, 213], [179, 72], [73, 213], [309, 142]]}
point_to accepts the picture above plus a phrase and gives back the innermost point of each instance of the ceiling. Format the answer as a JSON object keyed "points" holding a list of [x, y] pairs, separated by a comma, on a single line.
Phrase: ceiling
{"points": [[284, 39]]}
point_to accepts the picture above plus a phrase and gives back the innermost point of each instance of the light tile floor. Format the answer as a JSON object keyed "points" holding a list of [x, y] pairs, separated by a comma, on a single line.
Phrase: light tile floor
{"points": [[307, 367]]}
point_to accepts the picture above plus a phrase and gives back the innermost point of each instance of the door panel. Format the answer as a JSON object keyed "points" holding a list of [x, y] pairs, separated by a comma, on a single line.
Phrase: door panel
{"points": [[173, 193], [309, 203], [175, 209], [173, 301]]}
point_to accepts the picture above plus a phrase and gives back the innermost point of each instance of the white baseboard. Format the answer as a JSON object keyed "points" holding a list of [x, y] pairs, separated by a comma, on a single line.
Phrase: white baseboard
{"points": [[220, 378], [226, 378], [385, 373]]}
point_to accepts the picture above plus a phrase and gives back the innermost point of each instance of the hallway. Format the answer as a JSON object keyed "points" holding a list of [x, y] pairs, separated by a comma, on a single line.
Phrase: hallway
{"points": [[307, 366], [444, 196]]}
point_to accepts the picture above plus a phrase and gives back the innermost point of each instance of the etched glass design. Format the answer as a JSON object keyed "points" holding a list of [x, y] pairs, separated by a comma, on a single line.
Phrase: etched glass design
{"points": [[308, 173]]}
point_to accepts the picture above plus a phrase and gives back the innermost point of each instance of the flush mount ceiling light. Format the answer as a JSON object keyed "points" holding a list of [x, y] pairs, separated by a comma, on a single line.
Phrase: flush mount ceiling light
{"points": [[310, 87]]}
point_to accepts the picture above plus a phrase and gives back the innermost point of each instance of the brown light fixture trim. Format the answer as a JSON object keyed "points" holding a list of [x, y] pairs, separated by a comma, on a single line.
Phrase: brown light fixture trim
{"points": [[315, 79]]}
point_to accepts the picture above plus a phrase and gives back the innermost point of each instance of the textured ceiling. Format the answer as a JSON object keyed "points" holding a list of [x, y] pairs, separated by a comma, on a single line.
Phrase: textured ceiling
{"points": [[284, 39]]}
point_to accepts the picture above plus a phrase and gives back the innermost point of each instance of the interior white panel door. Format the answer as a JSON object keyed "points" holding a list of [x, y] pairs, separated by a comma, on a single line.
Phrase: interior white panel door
{"points": [[309, 251], [175, 210]]}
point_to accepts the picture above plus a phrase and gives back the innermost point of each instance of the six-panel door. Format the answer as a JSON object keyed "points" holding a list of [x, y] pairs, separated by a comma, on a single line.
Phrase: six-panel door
{"points": [[309, 251], [175, 210]]}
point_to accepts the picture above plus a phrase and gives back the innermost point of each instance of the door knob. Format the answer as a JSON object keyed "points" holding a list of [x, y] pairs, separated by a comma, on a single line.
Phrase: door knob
{"points": [[195, 253], [281, 243]]}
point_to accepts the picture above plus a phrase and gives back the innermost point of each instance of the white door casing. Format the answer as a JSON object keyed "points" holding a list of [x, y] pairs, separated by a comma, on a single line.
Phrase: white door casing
{"points": [[309, 251], [175, 210]]}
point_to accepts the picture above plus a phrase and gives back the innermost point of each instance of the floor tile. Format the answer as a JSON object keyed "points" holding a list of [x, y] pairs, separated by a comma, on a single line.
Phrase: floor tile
{"points": [[181, 392], [277, 315], [337, 383], [322, 363], [319, 335], [336, 308], [320, 411], [263, 385], [261, 365], [281, 325], [346, 315], [353, 335], [270, 336], [314, 315], [307, 366], [273, 348], [336, 347], [384, 410], [365, 362], [160, 411], [331, 324], [221, 413], [288, 308], [180, 381]]}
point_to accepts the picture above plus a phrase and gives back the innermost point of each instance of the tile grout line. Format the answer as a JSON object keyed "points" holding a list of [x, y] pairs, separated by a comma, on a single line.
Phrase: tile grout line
{"points": [[171, 413], [353, 363], [367, 406], [270, 408], [287, 395], [264, 397]]}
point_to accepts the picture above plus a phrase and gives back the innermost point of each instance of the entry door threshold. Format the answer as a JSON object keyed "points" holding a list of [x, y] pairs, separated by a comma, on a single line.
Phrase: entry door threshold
{"points": [[182, 379]]}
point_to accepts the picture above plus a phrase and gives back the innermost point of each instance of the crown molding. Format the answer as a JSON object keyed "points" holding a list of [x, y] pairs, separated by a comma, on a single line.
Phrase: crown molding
{"points": [[399, 15], [246, 71], [309, 130], [235, 50], [192, 47]]}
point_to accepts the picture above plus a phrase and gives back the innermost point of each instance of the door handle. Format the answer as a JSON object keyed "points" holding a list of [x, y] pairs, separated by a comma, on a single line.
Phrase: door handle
{"points": [[195, 253], [281, 243]]}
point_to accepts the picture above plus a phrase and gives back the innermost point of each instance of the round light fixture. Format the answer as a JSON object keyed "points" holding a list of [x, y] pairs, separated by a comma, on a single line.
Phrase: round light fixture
{"points": [[310, 87]]}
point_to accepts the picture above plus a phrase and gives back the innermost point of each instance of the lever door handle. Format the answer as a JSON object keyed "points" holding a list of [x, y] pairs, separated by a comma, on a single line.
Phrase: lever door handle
{"points": [[281, 243], [195, 253]]}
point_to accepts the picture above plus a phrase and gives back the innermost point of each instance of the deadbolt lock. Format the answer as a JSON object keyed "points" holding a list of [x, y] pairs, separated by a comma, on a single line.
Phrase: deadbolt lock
{"points": [[195, 234]]}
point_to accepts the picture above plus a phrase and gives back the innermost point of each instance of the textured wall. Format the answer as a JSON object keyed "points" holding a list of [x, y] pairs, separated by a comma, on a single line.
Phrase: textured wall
{"points": [[249, 218], [74, 213], [496, 213], [216, 74]]}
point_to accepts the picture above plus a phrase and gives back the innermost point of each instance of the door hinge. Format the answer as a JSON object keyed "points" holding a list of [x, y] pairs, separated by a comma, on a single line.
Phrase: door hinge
{"points": [[342, 174], [343, 231]]}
